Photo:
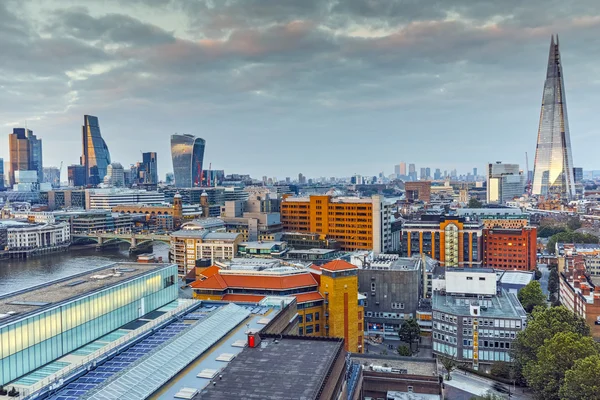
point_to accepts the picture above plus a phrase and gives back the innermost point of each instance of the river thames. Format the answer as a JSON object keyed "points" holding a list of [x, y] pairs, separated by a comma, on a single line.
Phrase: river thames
{"points": [[20, 274]]}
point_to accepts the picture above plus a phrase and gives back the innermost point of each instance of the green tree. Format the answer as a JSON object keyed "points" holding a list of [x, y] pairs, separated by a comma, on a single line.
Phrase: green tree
{"points": [[474, 203], [546, 374], [532, 296], [573, 223], [570, 237], [404, 351], [553, 282], [488, 396], [501, 370], [542, 325], [583, 380], [409, 331], [449, 364]]}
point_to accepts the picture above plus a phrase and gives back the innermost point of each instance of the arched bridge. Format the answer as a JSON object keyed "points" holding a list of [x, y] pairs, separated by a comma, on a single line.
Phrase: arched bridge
{"points": [[134, 239]]}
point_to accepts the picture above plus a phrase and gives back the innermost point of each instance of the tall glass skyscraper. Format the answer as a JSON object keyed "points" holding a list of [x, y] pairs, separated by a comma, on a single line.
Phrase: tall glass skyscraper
{"points": [[25, 153], [95, 155], [150, 168], [553, 168], [187, 152]]}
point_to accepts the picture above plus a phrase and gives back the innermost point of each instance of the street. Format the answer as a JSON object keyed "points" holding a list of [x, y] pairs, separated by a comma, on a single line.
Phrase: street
{"points": [[544, 279], [477, 385]]}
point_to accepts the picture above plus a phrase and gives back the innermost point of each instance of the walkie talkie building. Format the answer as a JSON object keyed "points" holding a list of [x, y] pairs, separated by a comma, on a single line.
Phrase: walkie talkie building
{"points": [[187, 152]]}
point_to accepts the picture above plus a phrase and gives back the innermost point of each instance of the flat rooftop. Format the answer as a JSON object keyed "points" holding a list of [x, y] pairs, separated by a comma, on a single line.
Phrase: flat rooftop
{"points": [[408, 365], [314, 251], [293, 368], [504, 306], [48, 295]]}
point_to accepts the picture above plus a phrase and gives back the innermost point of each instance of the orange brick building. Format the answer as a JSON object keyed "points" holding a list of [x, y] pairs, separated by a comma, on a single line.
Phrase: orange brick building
{"points": [[510, 248], [357, 223], [420, 190], [327, 297]]}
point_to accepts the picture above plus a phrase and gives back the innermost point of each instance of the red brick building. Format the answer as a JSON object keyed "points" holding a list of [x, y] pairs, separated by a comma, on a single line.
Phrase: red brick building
{"points": [[420, 190], [510, 248], [579, 294]]}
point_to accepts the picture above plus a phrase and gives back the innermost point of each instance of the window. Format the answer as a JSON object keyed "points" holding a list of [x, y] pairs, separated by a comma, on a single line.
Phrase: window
{"points": [[317, 327], [317, 317], [309, 318], [372, 286], [469, 278], [300, 320], [482, 278], [300, 331], [309, 329], [410, 389]]}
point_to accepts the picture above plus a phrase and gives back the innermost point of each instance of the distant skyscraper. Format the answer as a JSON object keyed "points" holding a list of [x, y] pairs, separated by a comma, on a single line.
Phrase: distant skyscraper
{"points": [[76, 175], [578, 174], [150, 168], [52, 176], [504, 182], [25, 153], [553, 167], [438, 174], [1, 173], [423, 174], [95, 156], [475, 172], [427, 173], [403, 168], [115, 175], [412, 172], [187, 152], [397, 170]]}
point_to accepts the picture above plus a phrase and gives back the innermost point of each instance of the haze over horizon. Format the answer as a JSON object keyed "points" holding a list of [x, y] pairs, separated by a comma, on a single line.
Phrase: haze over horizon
{"points": [[281, 87]]}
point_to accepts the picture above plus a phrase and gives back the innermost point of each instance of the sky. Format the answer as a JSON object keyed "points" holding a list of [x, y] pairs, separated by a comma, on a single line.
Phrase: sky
{"points": [[279, 87]]}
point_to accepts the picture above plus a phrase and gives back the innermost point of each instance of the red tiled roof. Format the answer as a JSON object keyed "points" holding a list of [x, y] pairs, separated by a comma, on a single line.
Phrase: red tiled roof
{"points": [[306, 297], [224, 281], [210, 271], [338, 265], [249, 298]]}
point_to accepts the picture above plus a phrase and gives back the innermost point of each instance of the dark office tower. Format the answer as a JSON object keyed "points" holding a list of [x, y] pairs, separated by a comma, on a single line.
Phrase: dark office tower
{"points": [[188, 154], [76, 175], [95, 156], [1, 174], [578, 174], [150, 168], [475, 172], [35, 155], [553, 167]]}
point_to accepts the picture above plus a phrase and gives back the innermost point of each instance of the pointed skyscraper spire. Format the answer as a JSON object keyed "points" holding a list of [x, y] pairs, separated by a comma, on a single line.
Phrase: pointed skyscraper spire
{"points": [[553, 168]]}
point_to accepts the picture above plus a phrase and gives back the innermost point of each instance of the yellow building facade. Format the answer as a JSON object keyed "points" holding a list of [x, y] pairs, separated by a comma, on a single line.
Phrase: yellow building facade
{"points": [[356, 223]]}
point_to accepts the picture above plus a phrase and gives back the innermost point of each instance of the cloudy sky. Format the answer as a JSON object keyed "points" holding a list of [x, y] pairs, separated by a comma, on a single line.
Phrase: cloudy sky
{"points": [[278, 87]]}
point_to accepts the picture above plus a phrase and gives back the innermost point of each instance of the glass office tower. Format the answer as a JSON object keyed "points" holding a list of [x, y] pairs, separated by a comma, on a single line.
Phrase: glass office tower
{"points": [[150, 168], [25, 153], [95, 156], [553, 168], [188, 154]]}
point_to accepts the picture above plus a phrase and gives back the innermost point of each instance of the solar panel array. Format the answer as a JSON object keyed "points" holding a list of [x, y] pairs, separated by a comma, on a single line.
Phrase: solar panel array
{"points": [[144, 378], [89, 381]]}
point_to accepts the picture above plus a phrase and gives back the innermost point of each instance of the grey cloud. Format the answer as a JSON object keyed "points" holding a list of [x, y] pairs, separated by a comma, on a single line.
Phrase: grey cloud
{"points": [[112, 28]]}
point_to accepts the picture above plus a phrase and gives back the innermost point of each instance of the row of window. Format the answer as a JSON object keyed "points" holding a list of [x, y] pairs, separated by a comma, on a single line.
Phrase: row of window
{"points": [[309, 329], [308, 317]]}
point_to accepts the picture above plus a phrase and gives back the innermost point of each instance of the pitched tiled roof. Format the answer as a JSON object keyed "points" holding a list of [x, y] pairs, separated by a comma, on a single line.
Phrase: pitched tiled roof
{"points": [[306, 297], [279, 282], [338, 265]]}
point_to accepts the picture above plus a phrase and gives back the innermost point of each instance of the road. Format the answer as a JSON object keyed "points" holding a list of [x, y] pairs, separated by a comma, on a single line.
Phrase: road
{"points": [[544, 279], [478, 386]]}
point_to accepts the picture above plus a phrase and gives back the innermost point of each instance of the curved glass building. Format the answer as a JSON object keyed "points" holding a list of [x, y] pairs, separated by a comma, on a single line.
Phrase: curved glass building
{"points": [[553, 168], [187, 152], [95, 156]]}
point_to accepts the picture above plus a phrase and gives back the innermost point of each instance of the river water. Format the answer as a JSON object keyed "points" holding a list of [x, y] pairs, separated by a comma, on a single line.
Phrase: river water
{"points": [[20, 274]]}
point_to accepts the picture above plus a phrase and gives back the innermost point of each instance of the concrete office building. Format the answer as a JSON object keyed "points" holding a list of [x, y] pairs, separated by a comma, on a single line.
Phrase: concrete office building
{"points": [[505, 218], [473, 320], [392, 286], [27, 239], [189, 245], [40, 324], [52, 176], [115, 175], [107, 199], [63, 198], [504, 182]]}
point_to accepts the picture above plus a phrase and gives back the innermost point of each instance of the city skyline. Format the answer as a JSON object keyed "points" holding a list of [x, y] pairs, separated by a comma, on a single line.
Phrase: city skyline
{"points": [[464, 78]]}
